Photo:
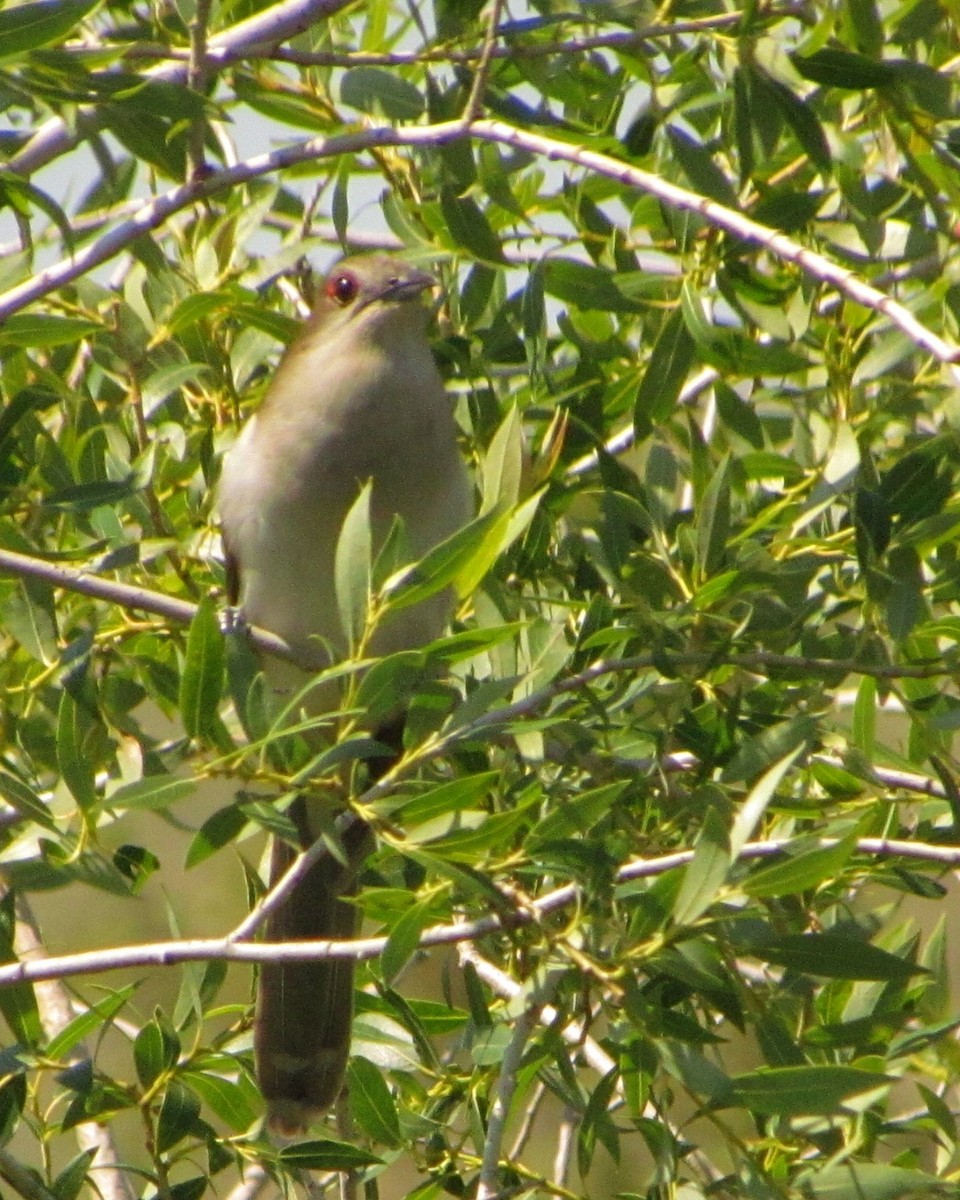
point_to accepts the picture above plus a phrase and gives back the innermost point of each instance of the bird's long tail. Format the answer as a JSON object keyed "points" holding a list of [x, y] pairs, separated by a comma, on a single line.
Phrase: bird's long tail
{"points": [[304, 1010]]}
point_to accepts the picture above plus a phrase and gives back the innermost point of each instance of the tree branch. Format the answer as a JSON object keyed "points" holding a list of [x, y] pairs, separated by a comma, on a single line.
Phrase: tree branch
{"points": [[172, 953], [128, 596], [162, 207]]}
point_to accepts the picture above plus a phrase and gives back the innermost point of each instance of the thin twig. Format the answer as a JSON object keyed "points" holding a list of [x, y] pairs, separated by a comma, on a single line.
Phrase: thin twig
{"points": [[574, 1034], [474, 105], [197, 80], [621, 40], [255, 1179], [128, 596], [565, 1144], [229, 949], [488, 1184], [161, 208]]}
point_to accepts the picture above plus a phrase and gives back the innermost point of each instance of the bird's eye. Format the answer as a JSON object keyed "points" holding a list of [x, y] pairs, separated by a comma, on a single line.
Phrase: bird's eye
{"points": [[343, 287]]}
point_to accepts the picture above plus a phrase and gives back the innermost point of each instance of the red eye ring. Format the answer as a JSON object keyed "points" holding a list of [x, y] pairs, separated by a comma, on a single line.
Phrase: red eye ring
{"points": [[343, 288]]}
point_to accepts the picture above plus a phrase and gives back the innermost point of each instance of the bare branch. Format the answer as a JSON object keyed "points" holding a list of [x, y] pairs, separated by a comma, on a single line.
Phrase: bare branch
{"points": [[474, 105], [488, 1183], [626, 40], [162, 207], [171, 953], [128, 596]]}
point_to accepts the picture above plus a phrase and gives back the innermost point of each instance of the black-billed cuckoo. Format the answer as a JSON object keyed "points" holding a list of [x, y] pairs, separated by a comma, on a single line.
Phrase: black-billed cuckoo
{"points": [[356, 398]]}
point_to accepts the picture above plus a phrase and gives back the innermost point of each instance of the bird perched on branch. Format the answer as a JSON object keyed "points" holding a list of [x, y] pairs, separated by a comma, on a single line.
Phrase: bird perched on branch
{"points": [[357, 398]]}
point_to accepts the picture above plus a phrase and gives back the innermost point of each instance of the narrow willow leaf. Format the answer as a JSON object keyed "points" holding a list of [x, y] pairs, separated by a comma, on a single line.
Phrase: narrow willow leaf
{"points": [[871, 1181], [155, 1051], [670, 361], [352, 569], [751, 811], [236, 1103], [30, 26], [801, 872], [381, 93], [17, 1001], [706, 874], [326, 1155], [503, 464], [713, 519], [37, 329], [153, 791], [404, 939], [203, 671], [71, 1179], [75, 766], [790, 1091], [865, 716], [371, 1103], [97, 1017], [178, 1114], [836, 956]]}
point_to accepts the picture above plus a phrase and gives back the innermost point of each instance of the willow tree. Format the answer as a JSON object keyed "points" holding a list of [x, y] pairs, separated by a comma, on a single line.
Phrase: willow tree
{"points": [[660, 897]]}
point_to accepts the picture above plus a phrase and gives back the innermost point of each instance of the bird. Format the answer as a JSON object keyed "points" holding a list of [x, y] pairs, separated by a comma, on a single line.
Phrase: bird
{"points": [[356, 400]]}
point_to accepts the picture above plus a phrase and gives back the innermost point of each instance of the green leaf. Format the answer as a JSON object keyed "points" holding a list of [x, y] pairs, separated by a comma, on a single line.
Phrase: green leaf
{"points": [[834, 67], [21, 195], [751, 811], [503, 464], [835, 956], [73, 724], [236, 1103], [371, 1103], [217, 831], [381, 93], [801, 871], [30, 617], [706, 874], [352, 569], [769, 747], [791, 1091], [671, 358], [699, 167], [713, 519], [802, 119], [26, 802], [465, 554], [17, 1001], [39, 329], [579, 816], [155, 1051], [865, 716], [151, 792], [96, 1018], [190, 1189], [584, 286], [201, 684], [28, 26], [404, 938], [867, 26], [71, 1179], [597, 1125], [178, 1114], [870, 1181], [326, 1155], [469, 228]]}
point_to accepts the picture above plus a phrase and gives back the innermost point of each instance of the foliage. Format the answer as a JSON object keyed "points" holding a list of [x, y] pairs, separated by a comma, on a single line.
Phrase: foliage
{"points": [[702, 672]]}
